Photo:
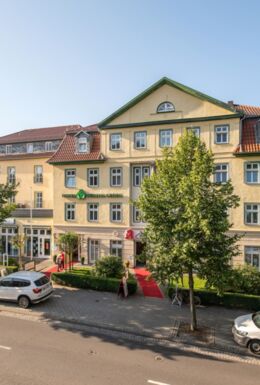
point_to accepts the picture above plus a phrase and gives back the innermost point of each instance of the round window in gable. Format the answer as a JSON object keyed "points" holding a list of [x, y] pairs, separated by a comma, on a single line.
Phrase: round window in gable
{"points": [[165, 107]]}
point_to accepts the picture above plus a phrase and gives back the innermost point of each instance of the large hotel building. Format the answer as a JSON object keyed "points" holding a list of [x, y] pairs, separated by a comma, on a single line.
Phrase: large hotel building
{"points": [[84, 179]]}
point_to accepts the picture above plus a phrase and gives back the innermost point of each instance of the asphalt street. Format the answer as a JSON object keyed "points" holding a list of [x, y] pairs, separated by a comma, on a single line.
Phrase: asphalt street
{"points": [[36, 353]]}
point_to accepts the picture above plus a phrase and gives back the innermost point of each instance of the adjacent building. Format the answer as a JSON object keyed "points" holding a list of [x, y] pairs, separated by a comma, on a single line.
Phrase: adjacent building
{"points": [[86, 179]]}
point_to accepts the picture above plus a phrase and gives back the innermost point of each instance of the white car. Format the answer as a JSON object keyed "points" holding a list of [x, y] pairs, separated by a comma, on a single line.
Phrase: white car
{"points": [[246, 331], [25, 287]]}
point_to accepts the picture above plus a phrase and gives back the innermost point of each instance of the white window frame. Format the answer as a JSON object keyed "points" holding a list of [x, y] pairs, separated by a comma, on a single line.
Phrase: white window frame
{"points": [[252, 171], [251, 209], [93, 250], [165, 136], [116, 209], [29, 148], [116, 176], [136, 214], [38, 176], [165, 107], [93, 176], [9, 149], [82, 144], [93, 212], [195, 130], [11, 175], [68, 175], [48, 146], [70, 208], [143, 172], [38, 200], [140, 140], [252, 254], [220, 132], [115, 141], [116, 248], [221, 169]]}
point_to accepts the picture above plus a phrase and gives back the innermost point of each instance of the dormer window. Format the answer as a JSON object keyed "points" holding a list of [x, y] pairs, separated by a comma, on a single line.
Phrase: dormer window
{"points": [[83, 142], [257, 132], [166, 107]]}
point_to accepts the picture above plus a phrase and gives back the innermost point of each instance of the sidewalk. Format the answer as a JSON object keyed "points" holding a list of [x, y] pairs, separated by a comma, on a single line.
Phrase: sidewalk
{"points": [[151, 317]]}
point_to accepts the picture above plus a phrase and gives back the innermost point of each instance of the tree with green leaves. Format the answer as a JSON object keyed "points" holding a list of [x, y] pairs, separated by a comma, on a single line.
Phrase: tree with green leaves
{"points": [[7, 191], [68, 242], [187, 217]]}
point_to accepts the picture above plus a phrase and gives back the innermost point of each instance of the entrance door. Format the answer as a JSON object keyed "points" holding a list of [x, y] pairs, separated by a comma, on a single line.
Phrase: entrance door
{"points": [[44, 247], [139, 253]]}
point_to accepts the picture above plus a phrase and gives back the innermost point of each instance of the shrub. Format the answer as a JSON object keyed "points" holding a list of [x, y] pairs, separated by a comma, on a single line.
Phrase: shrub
{"points": [[110, 267], [88, 281], [13, 262], [245, 279], [232, 300]]}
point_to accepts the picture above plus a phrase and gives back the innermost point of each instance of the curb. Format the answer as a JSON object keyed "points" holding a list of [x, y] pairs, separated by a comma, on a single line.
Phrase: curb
{"points": [[143, 337]]}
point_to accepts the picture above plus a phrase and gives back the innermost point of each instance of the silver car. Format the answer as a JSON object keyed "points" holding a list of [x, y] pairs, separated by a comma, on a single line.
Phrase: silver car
{"points": [[25, 288]]}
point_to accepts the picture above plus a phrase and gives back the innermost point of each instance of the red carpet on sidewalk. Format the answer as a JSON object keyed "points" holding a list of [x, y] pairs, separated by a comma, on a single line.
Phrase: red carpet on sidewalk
{"points": [[54, 269], [149, 286]]}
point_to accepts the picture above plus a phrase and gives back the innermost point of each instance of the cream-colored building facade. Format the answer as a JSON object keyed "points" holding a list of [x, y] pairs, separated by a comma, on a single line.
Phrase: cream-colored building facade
{"points": [[96, 172]]}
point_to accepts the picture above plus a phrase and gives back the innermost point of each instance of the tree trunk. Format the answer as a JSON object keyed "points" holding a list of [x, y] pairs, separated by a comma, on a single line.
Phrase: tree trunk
{"points": [[193, 324]]}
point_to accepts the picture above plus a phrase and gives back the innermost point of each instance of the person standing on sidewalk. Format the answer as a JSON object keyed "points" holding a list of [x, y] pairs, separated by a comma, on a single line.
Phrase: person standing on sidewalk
{"points": [[62, 257]]}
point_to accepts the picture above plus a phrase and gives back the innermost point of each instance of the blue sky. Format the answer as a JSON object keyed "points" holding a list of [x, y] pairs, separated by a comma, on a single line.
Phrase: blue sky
{"points": [[76, 61]]}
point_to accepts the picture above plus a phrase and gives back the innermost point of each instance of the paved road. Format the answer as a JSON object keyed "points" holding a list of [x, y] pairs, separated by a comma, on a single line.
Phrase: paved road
{"points": [[36, 353]]}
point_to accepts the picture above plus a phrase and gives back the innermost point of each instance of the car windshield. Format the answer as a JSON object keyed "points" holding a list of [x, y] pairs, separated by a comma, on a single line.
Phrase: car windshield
{"points": [[41, 281], [256, 319]]}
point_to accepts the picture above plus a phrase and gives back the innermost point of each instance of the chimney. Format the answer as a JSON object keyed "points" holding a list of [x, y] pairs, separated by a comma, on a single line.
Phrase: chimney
{"points": [[231, 103]]}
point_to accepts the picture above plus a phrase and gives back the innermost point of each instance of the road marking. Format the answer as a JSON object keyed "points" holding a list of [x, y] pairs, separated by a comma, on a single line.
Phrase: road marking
{"points": [[5, 347], [156, 382]]}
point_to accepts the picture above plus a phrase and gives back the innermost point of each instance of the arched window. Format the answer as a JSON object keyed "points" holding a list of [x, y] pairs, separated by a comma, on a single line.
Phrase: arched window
{"points": [[165, 107]]}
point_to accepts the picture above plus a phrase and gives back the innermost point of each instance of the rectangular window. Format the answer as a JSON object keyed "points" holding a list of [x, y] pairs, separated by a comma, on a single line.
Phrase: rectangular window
{"points": [[93, 212], [139, 173], [115, 141], [252, 214], [93, 177], [252, 256], [9, 149], [70, 211], [82, 144], [70, 178], [252, 172], [11, 178], [38, 203], [38, 174], [221, 173], [29, 148], [115, 212], [93, 250], [140, 139], [136, 215], [221, 134], [116, 248], [116, 177], [11, 200], [165, 138], [48, 146], [195, 130]]}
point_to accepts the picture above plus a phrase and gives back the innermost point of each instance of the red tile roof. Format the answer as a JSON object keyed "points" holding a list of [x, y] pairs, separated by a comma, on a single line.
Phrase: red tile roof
{"points": [[248, 139], [66, 153], [38, 134], [249, 111]]}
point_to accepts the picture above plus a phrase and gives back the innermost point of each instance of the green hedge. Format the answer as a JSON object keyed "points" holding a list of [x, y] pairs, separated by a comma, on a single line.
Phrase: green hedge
{"points": [[86, 281], [232, 300], [10, 269]]}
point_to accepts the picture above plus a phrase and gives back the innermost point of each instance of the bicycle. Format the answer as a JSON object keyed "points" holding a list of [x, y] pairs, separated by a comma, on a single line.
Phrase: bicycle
{"points": [[183, 296]]}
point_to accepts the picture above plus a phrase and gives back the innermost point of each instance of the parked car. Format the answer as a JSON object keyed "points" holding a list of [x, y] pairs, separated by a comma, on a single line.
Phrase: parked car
{"points": [[246, 331], [25, 288]]}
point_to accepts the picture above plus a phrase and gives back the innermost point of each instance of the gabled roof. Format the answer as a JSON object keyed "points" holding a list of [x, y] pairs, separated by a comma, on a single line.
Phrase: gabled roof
{"points": [[38, 134], [66, 153], [157, 85]]}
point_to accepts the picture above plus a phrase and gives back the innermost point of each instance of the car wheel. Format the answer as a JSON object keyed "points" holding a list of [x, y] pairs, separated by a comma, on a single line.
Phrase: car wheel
{"points": [[254, 347], [24, 302]]}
